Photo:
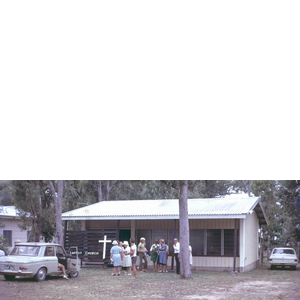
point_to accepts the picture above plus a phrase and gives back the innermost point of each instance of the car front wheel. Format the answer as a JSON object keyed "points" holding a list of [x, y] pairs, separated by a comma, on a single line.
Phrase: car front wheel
{"points": [[41, 274], [9, 277], [73, 274]]}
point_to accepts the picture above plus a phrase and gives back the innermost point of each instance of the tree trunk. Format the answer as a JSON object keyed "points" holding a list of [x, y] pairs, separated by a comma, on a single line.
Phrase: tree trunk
{"points": [[39, 222], [58, 209], [99, 192], [108, 188], [249, 188], [184, 231]]}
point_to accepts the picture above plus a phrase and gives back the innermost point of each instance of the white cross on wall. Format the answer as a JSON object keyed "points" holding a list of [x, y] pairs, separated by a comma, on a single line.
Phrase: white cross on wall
{"points": [[104, 245]]}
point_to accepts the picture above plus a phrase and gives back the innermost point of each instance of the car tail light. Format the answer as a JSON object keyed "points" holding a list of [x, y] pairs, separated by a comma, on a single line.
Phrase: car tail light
{"points": [[295, 260], [270, 259], [23, 268]]}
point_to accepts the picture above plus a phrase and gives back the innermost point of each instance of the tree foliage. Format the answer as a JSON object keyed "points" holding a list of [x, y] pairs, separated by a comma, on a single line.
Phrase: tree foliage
{"points": [[34, 203], [280, 199]]}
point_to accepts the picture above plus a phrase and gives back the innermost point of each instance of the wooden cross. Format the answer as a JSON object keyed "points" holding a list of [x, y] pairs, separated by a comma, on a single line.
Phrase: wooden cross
{"points": [[104, 245]]}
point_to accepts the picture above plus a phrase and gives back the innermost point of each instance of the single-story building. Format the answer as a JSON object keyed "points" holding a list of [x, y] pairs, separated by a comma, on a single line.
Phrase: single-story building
{"points": [[212, 223], [11, 231]]}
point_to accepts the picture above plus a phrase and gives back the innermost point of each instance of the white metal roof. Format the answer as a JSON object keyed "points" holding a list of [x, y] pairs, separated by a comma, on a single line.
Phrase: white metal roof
{"points": [[8, 212], [167, 209]]}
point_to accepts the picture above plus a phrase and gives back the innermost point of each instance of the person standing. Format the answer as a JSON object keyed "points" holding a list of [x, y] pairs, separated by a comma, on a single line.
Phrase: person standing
{"points": [[176, 247], [115, 257], [154, 249], [127, 259], [162, 255], [133, 257], [142, 255]]}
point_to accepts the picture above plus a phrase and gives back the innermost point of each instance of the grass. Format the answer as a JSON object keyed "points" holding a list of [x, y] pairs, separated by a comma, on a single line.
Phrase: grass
{"points": [[261, 283]]}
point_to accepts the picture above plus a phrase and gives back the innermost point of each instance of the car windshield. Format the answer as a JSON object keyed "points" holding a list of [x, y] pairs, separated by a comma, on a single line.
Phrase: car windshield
{"points": [[283, 251], [25, 250]]}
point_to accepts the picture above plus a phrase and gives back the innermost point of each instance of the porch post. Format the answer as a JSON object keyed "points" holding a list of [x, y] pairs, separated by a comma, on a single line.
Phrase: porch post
{"points": [[242, 244], [118, 230], [174, 231], [234, 245], [132, 228], [65, 232]]}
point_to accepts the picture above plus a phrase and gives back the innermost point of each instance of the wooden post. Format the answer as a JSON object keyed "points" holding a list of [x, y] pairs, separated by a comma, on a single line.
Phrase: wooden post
{"points": [[65, 231], [261, 247], [235, 242], [174, 232], [117, 230]]}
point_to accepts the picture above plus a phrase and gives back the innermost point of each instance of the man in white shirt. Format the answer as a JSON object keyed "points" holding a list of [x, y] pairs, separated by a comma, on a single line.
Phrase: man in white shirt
{"points": [[176, 248]]}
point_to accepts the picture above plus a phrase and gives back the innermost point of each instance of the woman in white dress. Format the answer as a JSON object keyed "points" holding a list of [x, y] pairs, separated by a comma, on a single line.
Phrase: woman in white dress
{"points": [[127, 259]]}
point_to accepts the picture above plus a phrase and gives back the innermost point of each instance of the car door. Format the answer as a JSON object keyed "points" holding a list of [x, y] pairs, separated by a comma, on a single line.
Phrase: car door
{"points": [[51, 259], [73, 260]]}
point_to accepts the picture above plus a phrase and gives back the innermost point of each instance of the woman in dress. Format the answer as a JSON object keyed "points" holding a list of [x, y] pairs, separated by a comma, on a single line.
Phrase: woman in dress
{"points": [[127, 259], [115, 257], [162, 255], [154, 249]]}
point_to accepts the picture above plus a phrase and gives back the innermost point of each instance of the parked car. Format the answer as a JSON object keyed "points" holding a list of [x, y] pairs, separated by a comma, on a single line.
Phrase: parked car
{"points": [[283, 257], [39, 260]]}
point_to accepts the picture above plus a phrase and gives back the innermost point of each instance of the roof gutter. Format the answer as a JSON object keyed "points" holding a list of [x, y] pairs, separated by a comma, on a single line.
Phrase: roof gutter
{"points": [[168, 217]]}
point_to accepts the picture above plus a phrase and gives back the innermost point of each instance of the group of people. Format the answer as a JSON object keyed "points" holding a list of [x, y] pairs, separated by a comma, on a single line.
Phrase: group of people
{"points": [[125, 255]]}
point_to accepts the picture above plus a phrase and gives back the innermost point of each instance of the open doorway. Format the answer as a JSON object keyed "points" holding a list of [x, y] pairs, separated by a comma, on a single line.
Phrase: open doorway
{"points": [[124, 235]]}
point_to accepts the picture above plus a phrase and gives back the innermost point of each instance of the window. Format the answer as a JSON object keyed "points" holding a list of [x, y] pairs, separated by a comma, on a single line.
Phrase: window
{"points": [[197, 241], [229, 242], [171, 239], [49, 251], [60, 253], [214, 242], [25, 250], [28, 235], [7, 234]]}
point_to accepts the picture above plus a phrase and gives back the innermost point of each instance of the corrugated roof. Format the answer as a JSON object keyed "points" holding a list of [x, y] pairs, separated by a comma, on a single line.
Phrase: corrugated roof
{"points": [[166, 209], [8, 211]]}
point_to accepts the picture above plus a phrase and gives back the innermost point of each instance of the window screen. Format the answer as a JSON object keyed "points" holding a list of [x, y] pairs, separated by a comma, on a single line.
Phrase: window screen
{"points": [[213, 242], [229, 242], [7, 234], [171, 239], [197, 241]]}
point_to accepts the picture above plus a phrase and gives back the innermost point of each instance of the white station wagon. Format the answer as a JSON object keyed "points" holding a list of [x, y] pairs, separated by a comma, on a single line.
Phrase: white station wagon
{"points": [[39, 260], [283, 257]]}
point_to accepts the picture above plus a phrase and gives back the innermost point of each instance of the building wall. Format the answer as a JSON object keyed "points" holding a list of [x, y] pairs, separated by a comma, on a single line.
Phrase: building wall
{"points": [[160, 224], [12, 224], [251, 242], [218, 263]]}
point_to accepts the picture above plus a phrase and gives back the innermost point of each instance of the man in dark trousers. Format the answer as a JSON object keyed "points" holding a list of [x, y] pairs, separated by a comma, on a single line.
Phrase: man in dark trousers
{"points": [[176, 248]]}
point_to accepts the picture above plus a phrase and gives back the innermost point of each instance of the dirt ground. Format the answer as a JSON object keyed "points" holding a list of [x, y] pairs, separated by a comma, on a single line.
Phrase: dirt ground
{"points": [[261, 283]]}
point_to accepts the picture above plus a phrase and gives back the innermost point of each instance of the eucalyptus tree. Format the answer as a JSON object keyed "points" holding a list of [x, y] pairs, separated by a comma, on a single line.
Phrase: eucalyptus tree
{"points": [[289, 198], [184, 231], [35, 207], [58, 197]]}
